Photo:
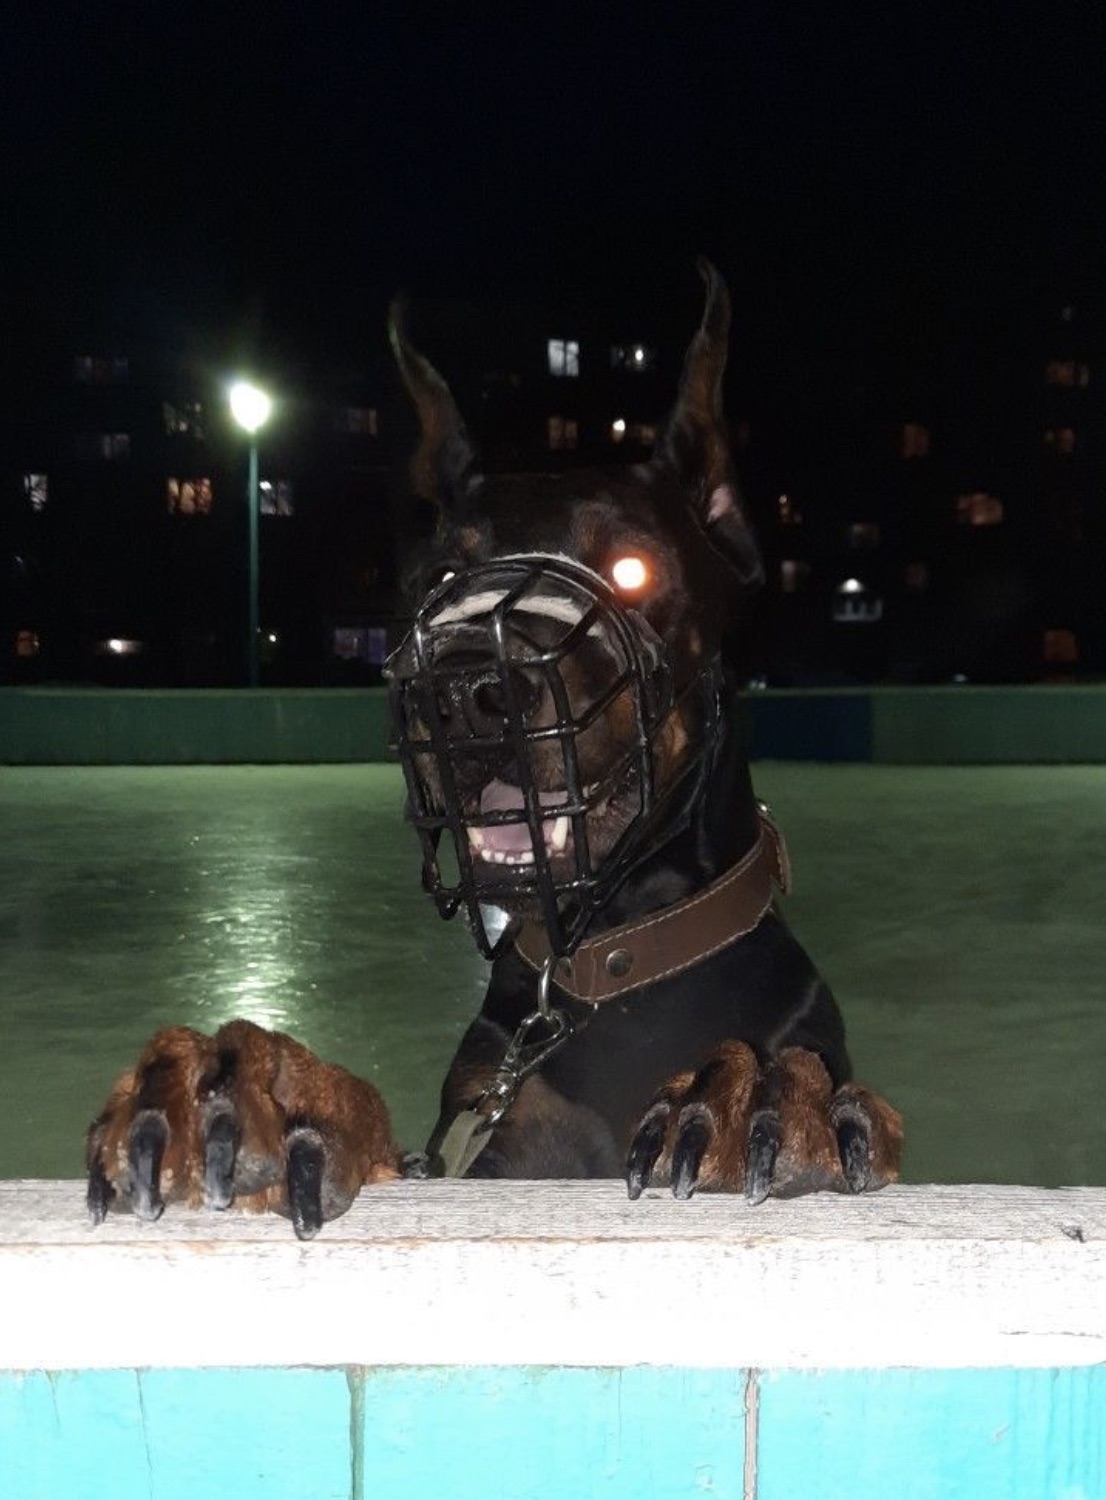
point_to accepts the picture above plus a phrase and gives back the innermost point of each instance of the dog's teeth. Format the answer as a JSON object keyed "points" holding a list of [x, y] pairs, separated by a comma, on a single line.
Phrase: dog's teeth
{"points": [[559, 837], [483, 850]]}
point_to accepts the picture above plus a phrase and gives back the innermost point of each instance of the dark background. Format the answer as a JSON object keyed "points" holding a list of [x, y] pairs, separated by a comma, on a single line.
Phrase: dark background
{"points": [[902, 198], [857, 171]]}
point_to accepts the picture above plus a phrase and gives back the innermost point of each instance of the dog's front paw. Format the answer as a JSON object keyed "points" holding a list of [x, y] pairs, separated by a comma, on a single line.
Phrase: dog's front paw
{"points": [[782, 1130], [248, 1118]]}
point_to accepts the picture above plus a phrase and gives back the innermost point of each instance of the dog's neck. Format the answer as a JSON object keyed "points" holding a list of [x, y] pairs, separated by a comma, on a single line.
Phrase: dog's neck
{"points": [[700, 891], [723, 827]]}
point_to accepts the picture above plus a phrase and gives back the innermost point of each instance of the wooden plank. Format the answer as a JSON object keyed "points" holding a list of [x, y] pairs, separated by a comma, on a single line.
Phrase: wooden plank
{"points": [[532, 1433], [564, 1274], [932, 1434], [175, 1435]]}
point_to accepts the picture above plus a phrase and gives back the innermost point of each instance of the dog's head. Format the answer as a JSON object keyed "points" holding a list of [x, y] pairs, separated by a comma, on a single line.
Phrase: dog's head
{"points": [[555, 704]]}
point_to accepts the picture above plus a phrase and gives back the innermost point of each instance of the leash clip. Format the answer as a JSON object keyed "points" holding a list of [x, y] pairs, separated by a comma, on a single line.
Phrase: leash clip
{"points": [[524, 1057], [469, 1132]]}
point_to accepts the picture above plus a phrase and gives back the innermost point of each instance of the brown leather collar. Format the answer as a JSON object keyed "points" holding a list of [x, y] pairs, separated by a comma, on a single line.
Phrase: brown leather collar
{"points": [[669, 941]]}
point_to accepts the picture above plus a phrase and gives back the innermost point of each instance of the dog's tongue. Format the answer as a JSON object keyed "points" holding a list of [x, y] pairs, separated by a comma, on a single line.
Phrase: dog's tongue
{"points": [[512, 838]]}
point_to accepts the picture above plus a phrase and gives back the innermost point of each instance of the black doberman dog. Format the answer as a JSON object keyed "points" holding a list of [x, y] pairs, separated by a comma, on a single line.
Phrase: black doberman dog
{"points": [[563, 713]]}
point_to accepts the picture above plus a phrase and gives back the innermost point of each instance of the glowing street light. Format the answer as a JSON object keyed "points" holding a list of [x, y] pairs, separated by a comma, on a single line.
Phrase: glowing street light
{"points": [[251, 408]]}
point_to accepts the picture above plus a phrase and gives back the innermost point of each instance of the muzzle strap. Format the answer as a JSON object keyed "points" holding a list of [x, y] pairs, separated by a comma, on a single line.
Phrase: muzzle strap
{"points": [[667, 942]]}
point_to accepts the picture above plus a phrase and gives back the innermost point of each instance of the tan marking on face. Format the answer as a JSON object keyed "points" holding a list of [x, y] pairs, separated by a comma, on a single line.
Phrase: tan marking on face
{"points": [[585, 537], [673, 744]]}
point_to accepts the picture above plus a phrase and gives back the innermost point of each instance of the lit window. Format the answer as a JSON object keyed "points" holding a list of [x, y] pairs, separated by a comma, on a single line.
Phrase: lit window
{"points": [[1067, 372], [787, 512], [979, 509], [915, 440], [118, 645], [36, 487], [91, 369], [637, 358], [359, 421], [564, 357], [367, 643], [794, 574], [27, 644], [1061, 440], [183, 420], [189, 497], [855, 604], [1060, 648], [563, 434], [641, 434], [863, 536], [276, 497], [91, 446]]}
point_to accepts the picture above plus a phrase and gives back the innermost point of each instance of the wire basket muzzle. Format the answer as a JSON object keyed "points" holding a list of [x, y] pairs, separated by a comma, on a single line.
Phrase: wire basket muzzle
{"points": [[526, 704]]}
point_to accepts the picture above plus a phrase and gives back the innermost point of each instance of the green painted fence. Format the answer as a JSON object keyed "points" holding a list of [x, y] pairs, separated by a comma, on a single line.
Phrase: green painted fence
{"points": [[1054, 724]]}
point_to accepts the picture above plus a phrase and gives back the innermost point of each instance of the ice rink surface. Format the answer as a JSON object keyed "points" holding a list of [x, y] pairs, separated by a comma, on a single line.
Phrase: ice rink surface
{"points": [[958, 914]]}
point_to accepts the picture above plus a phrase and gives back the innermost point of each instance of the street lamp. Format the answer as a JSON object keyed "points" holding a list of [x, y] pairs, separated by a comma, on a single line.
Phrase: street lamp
{"points": [[250, 407]]}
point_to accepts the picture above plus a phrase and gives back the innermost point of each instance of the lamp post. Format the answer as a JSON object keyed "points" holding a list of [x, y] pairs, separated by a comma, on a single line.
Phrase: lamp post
{"points": [[250, 407]]}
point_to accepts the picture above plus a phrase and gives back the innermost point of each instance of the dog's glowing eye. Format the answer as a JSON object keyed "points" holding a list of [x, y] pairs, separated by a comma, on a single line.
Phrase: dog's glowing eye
{"points": [[630, 573]]}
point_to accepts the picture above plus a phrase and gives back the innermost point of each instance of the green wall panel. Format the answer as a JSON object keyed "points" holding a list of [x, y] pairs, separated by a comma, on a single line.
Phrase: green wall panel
{"points": [[906, 726]]}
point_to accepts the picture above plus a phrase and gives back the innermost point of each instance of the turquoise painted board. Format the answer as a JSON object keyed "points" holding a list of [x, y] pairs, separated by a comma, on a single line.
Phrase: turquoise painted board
{"points": [[669, 1434], [176, 1435], [933, 1435], [629, 1434]]}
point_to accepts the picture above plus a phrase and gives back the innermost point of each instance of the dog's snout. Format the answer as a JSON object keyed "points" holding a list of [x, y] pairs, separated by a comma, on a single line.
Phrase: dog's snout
{"points": [[480, 696], [500, 693]]}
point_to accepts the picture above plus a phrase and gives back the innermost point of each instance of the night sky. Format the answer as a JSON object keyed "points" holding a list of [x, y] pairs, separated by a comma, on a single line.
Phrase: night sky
{"points": [[851, 169]]}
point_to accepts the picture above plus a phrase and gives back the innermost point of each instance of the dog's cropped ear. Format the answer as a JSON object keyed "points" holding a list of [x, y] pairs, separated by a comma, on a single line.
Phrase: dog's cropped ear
{"points": [[443, 468], [695, 444]]}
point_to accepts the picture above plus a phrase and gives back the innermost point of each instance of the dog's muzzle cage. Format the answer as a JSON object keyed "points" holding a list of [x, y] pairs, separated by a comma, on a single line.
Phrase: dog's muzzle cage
{"points": [[491, 705]]}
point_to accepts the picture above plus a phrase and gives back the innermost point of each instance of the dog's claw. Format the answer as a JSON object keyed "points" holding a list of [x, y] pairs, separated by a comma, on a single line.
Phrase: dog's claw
{"points": [[100, 1193], [693, 1138], [306, 1166], [248, 1118], [220, 1155], [766, 1128], [765, 1135], [149, 1138], [854, 1147], [645, 1149]]}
